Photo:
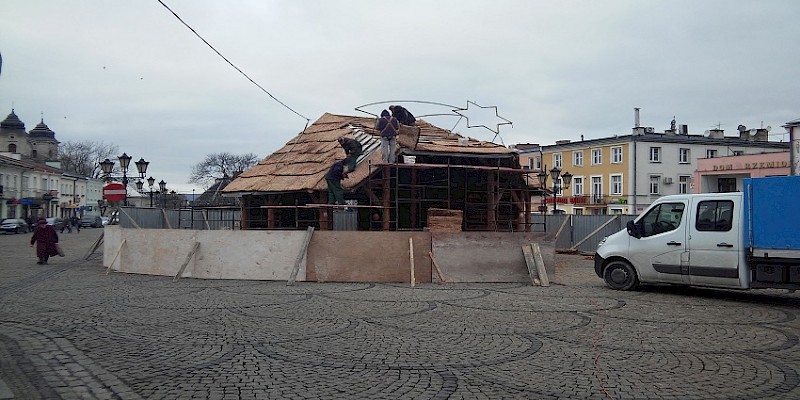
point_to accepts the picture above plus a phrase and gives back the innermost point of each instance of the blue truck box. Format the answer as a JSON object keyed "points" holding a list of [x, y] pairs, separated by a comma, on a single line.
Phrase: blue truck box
{"points": [[772, 213]]}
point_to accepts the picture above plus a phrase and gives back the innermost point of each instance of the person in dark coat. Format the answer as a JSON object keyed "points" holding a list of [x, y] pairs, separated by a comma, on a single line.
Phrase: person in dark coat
{"points": [[388, 127], [352, 149], [403, 115], [334, 178], [45, 238], [76, 223]]}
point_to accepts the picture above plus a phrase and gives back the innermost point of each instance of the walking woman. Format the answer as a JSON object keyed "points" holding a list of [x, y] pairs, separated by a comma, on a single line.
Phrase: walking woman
{"points": [[45, 238]]}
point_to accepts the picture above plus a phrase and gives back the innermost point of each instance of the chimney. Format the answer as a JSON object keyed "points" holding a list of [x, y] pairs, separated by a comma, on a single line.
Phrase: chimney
{"points": [[560, 142], [716, 133], [636, 117], [761, 135], [683, 129]]}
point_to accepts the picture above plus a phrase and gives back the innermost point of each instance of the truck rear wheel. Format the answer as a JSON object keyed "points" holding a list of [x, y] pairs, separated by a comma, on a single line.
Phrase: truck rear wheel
{"points": [[620, 275]]}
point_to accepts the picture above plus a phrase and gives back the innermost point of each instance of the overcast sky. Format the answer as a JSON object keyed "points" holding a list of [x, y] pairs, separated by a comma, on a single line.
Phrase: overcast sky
{"points": [[131, 74]]}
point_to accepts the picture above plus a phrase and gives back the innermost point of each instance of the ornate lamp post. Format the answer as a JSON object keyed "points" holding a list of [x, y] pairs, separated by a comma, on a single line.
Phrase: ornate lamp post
{"points": [[162, 186], [555, 173], [150, 182], [124, 162]]}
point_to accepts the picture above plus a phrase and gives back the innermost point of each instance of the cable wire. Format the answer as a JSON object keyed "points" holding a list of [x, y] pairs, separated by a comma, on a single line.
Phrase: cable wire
{"points": [[234, 66]]}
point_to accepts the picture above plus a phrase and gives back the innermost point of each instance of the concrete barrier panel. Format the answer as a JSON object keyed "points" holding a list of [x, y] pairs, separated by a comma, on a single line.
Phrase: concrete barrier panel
{"points": [[257, 255], [337, 256], [489, 256]]}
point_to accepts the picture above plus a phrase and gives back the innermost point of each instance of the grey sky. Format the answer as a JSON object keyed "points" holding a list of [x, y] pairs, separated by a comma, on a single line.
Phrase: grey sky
{"points": [[129, 73]]}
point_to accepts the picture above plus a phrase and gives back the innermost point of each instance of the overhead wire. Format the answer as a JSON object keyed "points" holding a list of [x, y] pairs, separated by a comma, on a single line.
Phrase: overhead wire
{"points": [[308, 120]]}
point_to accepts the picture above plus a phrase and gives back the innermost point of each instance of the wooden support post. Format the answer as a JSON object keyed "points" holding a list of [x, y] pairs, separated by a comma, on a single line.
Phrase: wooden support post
{"points": [[533, 273], [186, 262], [270, 218], [537, 257], [119, 250], [300, 256], [575, 246], [205, 218], [387, 172], [166, 219], [436, 266], [411, 257], [133, 222], [96, 245]]}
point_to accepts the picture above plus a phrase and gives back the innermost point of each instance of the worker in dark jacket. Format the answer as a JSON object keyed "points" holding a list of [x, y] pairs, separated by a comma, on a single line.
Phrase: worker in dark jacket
{"points": [[334, 178], [388, 127], [352, 149], [403, 116]]}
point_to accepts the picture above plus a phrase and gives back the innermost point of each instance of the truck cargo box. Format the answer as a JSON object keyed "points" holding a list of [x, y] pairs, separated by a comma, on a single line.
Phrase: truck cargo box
{"points": [[772, 215]]}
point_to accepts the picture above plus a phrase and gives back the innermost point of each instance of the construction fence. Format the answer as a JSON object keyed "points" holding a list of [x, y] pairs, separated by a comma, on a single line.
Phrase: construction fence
{"points": [[579, 233]]}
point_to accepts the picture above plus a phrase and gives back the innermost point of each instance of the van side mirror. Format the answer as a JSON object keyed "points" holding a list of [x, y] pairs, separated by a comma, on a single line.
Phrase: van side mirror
{"points": [[634, 230]]}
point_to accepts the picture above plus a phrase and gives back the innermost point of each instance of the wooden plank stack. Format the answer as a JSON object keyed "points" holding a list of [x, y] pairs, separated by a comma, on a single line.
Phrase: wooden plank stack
{"points": [[444, 220]]}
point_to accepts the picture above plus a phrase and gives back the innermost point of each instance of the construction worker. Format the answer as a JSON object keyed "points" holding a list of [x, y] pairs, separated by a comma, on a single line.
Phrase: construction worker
{"points": [[352, 149], [334, 178]]}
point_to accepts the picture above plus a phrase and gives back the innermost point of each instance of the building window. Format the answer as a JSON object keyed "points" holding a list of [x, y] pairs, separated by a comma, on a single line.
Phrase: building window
{"points": [[597, 189], [577, 158], [655, 154], [710, 153], [12, 148], [616, 211], [616, 155], [616, 185], [738, 152], [597, 156], [578, 211], [557, 160], [577, 186], [537, 163], [654, 184], [683, 184], [683, 156]]}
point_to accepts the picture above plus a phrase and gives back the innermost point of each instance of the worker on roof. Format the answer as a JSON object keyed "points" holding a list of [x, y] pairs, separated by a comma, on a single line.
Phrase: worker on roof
{"points": [[388, 126], [403, 115], [352, 150], [334, 178]]}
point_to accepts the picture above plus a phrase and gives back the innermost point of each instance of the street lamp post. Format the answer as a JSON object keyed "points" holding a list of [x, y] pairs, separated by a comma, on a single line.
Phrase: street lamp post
{"points": [[150, 182], [124, 162], [162, 186], [555, 173]]}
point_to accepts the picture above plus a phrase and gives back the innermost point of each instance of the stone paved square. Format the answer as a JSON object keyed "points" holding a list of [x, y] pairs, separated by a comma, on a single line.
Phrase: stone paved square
{"points": [[69, 330]]}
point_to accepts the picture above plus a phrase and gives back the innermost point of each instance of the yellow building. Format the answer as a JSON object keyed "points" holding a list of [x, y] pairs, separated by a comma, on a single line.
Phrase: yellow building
{"points": [[597, 168]]}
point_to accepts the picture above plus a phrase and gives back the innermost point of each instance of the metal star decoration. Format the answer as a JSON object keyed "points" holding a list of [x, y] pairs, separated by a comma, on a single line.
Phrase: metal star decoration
{"points": [[483, 115]]}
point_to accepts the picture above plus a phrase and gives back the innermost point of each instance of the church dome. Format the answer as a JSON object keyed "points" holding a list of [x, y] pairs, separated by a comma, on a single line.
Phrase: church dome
{"points": [[41, 131], [12, 122]]}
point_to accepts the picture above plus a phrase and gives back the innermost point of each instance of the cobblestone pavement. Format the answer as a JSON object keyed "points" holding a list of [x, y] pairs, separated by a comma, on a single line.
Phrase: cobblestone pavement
{"points": [[68, 330]]}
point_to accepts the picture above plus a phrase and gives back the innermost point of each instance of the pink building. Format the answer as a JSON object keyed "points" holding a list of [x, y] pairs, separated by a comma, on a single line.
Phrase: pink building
{"points": [[725, 174]]}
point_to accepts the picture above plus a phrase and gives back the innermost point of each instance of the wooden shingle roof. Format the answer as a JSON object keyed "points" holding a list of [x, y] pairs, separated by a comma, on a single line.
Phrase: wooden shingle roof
{"points": [[301, 164]]}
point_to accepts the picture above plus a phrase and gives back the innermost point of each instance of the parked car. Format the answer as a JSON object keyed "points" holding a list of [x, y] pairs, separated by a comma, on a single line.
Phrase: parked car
{"points": [[56, 222], [92, 221], [14, 225]]}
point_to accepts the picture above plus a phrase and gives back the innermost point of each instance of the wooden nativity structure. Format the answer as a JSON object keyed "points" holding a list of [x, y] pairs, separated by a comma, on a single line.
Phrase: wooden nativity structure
{"points": [[442, 181]]}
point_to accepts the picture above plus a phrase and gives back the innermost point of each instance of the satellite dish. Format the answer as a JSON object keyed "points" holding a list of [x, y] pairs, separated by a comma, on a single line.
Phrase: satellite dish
{"points": [[769, 128]]}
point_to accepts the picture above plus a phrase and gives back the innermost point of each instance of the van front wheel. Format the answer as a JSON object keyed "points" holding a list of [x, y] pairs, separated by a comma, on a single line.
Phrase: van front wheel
{"points": [[620, 275]]}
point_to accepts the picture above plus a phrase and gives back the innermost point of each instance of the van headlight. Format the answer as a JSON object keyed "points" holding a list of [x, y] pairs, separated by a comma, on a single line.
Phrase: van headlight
{"points": [[602, 241]]}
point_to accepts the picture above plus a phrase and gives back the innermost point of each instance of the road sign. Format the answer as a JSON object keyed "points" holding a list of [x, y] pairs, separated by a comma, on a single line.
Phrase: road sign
{"points": [[114, 192]]}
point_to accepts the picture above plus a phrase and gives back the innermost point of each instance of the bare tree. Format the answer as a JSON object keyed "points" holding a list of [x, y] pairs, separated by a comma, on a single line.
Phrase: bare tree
{"points": [[83, 157], [221, 165]]}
